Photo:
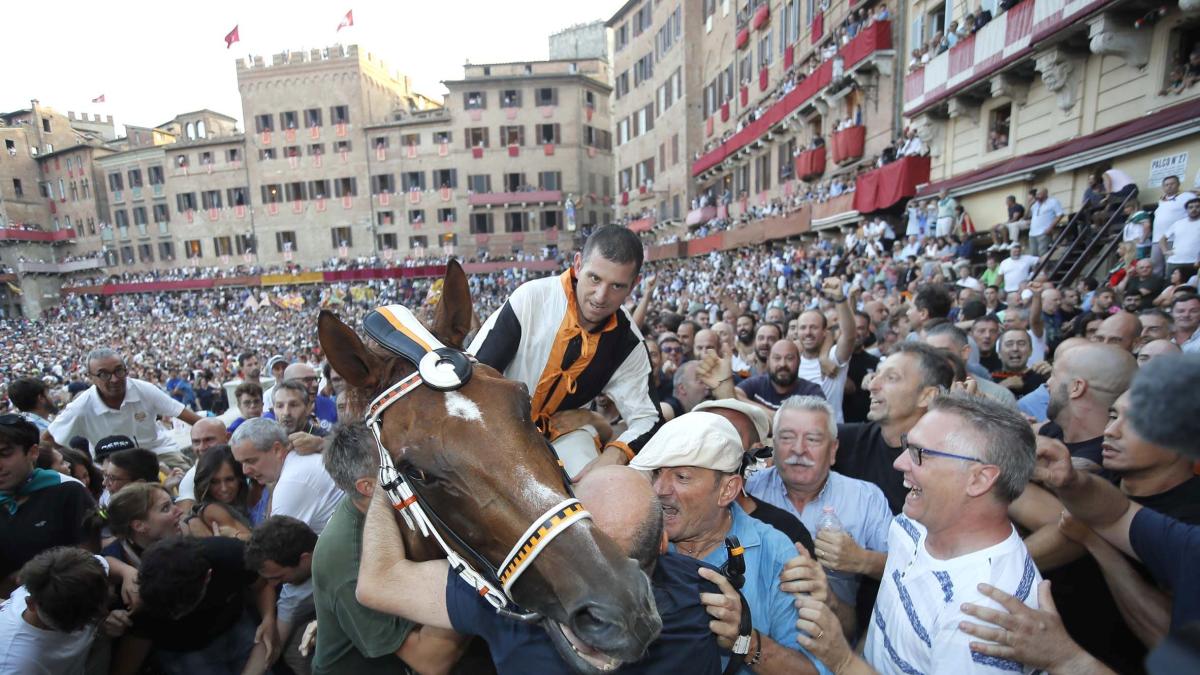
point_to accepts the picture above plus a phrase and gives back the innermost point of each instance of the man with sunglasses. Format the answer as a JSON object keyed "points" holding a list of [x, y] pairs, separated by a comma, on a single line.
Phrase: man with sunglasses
{"points": [[964, 462], [117, 404]]}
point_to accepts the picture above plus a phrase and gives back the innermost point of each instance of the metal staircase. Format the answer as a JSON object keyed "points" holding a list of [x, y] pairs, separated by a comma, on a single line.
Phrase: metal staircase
{"points": [[1081, 248]]}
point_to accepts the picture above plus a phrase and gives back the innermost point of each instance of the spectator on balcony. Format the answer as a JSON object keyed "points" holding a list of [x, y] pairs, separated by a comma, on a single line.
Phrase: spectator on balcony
{"points": [[952, 34], [913, 145], [982, 17], [939, 42], [914, 62], [1016, 218]]}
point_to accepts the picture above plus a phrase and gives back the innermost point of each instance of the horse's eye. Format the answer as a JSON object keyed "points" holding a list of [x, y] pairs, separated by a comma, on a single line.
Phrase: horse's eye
{"points": [[416, 474]]}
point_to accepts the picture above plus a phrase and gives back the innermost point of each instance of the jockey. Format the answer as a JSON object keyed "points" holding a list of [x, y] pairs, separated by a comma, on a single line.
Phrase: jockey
{"points": [[569, 339]]}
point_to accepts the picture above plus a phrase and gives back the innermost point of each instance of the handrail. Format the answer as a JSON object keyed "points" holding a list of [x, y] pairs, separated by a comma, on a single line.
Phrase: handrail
{"points": [[1041, 266], [1083, 257]]}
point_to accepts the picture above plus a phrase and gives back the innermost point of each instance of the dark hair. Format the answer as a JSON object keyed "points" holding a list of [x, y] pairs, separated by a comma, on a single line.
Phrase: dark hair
{"points": [[1163, 405], [172, 575], [972, 309], [24, 393], [695, 326], [293, 385], [1158, 313], [139, 463], [616, 244], [81, 444], [989, 318], [935, 370], [208, 466], [45, 458], [766, 324], [251, 388], [1183, 297], [280, 539], [1091, 283], [69, 587], [956, 363], [95, 477], [935, 300], [243, 358], [19, 432]]}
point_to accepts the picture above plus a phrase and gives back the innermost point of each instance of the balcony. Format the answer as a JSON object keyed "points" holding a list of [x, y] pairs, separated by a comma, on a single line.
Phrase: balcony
{"points": [[762, 16], [874, 39], [701, 215], [834, 211], [810, 164], [884, 187], [1008, 38], [30, 267], [642, 224], [847, 145], [37, 235], [506, 198]]}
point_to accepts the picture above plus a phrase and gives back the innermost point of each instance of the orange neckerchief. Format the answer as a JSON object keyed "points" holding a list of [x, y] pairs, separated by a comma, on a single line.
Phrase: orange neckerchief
{"points": [[548, 395]]}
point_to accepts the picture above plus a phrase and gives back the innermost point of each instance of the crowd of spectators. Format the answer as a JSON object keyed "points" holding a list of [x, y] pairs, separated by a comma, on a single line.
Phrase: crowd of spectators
{"points": [[892, 374], [943, 40]]}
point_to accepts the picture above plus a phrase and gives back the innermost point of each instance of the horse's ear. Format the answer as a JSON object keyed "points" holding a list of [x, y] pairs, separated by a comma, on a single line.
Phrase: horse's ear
{"points": [[453, 316], [346, 352]]}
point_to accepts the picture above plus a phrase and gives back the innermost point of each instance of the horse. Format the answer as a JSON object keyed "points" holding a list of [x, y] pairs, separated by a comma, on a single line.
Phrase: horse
{"points": [[484, 473]]}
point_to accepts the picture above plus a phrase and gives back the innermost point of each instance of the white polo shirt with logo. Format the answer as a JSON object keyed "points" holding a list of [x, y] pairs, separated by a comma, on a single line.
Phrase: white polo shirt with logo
{"points": [[88, 416]]}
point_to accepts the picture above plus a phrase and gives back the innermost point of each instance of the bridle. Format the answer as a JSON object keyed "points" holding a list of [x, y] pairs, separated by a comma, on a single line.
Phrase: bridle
{"points": [[444, 369]]}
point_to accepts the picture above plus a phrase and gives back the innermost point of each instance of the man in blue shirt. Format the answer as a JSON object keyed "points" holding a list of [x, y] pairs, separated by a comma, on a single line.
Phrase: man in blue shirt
{"points": [[622, 506], [802, 484], [695, 460]]}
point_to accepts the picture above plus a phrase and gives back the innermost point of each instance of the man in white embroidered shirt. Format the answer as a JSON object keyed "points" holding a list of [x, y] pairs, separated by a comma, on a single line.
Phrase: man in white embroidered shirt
{"points": [[964, 462], [569, 339]]}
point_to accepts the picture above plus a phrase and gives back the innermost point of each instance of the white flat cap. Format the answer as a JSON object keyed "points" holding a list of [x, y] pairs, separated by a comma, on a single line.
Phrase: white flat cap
{"points": [[758, 416], [695, 439]]}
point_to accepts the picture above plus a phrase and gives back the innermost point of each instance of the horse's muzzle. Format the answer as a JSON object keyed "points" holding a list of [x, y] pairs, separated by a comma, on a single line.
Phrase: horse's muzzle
{"points": [[610, 628]]}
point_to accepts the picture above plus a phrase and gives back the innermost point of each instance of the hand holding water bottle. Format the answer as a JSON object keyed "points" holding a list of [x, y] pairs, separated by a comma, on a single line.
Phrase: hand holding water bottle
{"points": [[836, 550]]}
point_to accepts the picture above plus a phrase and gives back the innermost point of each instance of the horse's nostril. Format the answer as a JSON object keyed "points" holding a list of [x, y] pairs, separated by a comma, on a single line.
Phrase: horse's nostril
{"points": [[599, 627]]}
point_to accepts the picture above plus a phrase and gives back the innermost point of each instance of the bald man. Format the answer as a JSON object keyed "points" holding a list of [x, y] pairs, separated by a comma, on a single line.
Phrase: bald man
{"points": [[1083, 385], [206, 433], [324, 408], [706, 341], [1121, 329], [1154, 349], [1034, 403]]}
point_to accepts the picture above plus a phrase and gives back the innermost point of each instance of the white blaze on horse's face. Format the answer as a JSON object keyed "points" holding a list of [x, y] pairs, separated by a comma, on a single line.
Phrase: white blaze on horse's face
{"points": [[462, 407]]}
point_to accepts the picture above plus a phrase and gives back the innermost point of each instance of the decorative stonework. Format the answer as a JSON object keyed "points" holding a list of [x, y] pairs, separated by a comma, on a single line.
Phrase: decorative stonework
{"points": [[1006, 85], [1058, 68], [1110, 36], [967, 108], [929, 130]]}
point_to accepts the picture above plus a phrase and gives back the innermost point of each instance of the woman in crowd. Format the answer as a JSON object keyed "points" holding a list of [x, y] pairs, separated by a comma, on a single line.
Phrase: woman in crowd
{"points": [[141, 514], [82, 468], [226, 503]]}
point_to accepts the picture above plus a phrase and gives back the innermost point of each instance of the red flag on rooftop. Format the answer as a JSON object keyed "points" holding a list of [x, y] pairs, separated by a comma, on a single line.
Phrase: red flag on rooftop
{"points": [[346, 22], [98, 99], [232, 37]]}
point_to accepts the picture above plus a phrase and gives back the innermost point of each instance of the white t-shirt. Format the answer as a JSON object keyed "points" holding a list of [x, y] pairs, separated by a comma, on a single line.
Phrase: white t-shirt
{"points": [[833, 387], [1016, 271], [28, 650], [89, 417], [1184, 236], [305, 491], [187, 486], [914, 626], [1170, 210]]}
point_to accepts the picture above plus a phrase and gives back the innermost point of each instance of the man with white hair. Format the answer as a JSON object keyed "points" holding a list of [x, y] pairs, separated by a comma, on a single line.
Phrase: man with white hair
{"points": [[696, 461], [802, 483], [300, 488]]}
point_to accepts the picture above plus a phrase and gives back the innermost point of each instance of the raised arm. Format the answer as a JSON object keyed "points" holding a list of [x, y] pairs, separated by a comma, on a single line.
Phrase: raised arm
{"points": [[639, 312], [389, 582]]}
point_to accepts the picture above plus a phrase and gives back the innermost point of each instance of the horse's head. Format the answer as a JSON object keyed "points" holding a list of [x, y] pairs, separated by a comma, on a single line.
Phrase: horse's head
{"points": [[477, 461]]}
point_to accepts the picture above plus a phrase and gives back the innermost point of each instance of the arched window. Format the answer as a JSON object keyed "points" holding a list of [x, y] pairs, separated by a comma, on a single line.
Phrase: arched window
{"points": [[200, 130], [189, 131]]}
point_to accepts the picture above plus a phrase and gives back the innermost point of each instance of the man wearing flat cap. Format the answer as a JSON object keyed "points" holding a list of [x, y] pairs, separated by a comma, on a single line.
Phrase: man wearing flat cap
{"points": [[695, 461]]}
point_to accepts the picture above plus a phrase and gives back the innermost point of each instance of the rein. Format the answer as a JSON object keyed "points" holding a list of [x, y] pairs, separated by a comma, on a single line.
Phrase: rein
{"points": [[443, 369]]}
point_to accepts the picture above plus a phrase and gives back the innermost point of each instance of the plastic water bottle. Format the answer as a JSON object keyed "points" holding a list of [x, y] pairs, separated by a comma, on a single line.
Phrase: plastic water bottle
{"points": [[829, 521]]}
